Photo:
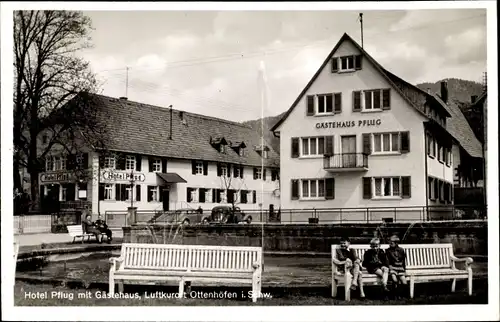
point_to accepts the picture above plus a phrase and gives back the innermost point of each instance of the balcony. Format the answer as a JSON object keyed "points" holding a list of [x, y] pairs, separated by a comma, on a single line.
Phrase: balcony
{"points": [[345, 162]]}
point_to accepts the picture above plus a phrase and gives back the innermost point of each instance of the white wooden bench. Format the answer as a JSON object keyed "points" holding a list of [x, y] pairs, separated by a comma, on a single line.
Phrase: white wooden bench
{"points": [[76, 231], [186, 263], [424, 263]]}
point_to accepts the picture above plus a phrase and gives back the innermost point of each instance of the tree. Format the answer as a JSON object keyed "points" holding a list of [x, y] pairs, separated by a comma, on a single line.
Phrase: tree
{"points": [[52, 91], [232, 182]]}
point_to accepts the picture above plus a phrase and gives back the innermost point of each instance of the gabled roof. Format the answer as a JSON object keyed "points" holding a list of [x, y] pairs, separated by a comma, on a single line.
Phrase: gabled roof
{"points": [[412, 94], [460, 129], [145, 129]]}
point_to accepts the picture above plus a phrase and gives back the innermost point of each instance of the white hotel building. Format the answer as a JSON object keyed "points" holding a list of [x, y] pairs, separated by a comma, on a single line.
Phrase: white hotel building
{"points": [[357, 136], [177, 159]]}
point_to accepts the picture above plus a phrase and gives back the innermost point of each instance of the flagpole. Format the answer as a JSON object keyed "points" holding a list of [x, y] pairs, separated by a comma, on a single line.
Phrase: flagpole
{"points": [[262, 104]]}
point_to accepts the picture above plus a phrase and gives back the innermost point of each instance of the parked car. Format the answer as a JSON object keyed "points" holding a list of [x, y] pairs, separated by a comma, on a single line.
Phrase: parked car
{"points": [[186, 216], [226, 215]]}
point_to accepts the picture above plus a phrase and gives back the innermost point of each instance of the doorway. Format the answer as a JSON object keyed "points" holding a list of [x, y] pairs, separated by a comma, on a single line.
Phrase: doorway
{"points": [[166, 199], [349, 151]]}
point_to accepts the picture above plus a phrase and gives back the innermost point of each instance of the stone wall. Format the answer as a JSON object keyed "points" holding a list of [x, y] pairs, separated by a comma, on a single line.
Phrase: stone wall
{"points": [[467, 237]]}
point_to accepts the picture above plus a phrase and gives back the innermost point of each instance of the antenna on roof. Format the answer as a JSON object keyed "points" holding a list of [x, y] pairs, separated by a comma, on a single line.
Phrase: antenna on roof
{"points": [[361, 21], [126, 82]]}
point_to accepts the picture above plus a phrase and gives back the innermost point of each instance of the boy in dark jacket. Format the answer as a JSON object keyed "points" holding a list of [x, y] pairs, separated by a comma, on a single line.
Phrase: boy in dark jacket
{"points": [[352, 265], [375, 262], [396, 257], [103, 227]]}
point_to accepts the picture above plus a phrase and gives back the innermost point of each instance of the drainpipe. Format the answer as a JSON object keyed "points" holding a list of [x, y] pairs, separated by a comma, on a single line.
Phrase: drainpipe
{"points": [[426, 175], [98, 184]]}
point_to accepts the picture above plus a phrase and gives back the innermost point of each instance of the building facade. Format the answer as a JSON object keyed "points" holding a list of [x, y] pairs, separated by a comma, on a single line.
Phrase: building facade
{"points": [[163, 159], [360, 135]]}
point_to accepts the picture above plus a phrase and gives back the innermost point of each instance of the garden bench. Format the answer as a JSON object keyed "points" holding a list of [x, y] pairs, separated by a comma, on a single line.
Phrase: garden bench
{"points": [[424, 263], [76, 231], [187, 263]]}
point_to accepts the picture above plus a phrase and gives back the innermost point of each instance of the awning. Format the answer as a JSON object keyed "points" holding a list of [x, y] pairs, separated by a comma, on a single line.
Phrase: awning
{"points": [[170, 177]]}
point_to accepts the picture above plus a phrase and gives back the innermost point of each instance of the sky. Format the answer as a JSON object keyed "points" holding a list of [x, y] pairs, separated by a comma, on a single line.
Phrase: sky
{"points": [[208, 62]]}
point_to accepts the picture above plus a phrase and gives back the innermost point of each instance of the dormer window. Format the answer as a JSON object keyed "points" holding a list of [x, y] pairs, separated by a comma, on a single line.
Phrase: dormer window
{"points": [[263, 151], [219, 143], [241, 152], [238, 147], [348, 63]]}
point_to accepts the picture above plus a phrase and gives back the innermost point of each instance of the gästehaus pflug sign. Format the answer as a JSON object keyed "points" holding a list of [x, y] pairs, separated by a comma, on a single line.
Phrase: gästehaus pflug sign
{"points": [[57, 177], [122, 176], [345, 124]]}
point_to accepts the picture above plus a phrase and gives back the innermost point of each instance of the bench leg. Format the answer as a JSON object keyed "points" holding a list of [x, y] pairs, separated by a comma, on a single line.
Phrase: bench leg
{"points": [[181, 288], [120, 287], [334, 287], [412, 287], [347, 286], [469, 282], [111, 284], [453, 284], [254, 289]]}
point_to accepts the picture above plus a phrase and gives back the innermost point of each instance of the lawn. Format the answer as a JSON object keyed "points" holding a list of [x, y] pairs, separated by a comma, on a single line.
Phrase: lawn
{"points": [[436, 293]]}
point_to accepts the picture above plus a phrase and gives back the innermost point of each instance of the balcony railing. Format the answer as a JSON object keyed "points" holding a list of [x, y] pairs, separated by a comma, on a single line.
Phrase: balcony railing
{"points": [[345, 161]]}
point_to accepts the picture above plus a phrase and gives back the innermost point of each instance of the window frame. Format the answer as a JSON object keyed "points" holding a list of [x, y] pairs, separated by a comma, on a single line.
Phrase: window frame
{"points": [[382, 184], [109, 162], [317, 147], [110, 188], [382, 152], [318, 195], [157, 165], [372, 93], [258, 173], [349, 68], [130, 159], [156, 193], [223, 170], [199, 167]]}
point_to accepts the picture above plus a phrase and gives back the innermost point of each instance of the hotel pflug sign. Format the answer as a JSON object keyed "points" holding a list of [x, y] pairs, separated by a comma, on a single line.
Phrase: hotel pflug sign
{"points": [[345, 124], [123, 176], [57, 177]]}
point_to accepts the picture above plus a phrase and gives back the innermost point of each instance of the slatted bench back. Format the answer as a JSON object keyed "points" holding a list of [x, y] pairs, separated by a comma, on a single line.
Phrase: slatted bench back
{"points": [[417, 255], [190, 257], [75, 230]]}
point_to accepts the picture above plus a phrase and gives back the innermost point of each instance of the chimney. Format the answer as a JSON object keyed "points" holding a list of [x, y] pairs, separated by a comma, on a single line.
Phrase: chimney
{"points": [[473, 99], [123, 98], [444, 91], [429, 90]]}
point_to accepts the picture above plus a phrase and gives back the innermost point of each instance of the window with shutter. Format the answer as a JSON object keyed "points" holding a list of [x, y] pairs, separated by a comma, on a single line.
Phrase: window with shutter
{"points": [[205, 168], [164, 165], [329, 103], [330, 188], [219, 170], [356, 101], [386, 99], [241, 172], [406, 191], [338, 103], [295, 189], [310, 105], [201, 194], [264, 177], [243, 196], [138, 162], [254, 196], [295, 148], [367, 188], [193, 167], [405, 142], [138, 193], [357, 61], [335, 65], [329, 145], [101, 191], [367, 149], [188, 194], [150, 164]]}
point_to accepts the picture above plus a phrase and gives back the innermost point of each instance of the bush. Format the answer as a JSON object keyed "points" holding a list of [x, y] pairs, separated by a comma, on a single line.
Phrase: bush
{"points": [[31, 264]]}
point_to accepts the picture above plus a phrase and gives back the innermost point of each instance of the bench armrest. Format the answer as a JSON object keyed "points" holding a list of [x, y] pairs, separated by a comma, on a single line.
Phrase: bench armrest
{"points": [[115, 262], [466, 260]]}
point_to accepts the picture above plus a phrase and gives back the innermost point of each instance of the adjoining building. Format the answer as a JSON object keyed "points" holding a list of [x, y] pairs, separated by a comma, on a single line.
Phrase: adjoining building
{"points": [[363, 138], [164, 159]]}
